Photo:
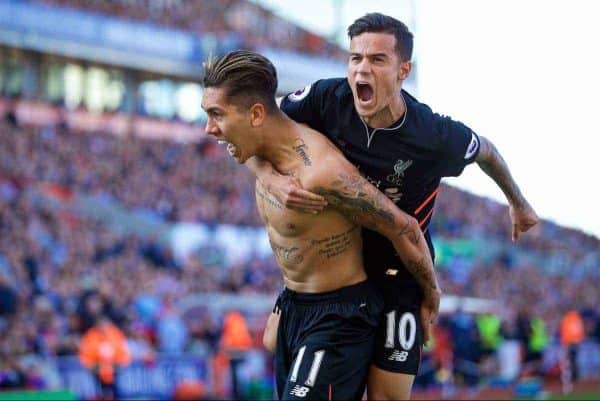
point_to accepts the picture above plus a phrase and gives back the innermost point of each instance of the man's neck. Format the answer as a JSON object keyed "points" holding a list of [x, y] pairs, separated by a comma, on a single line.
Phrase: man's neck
{"points": [[281, 134], [389, 114]]}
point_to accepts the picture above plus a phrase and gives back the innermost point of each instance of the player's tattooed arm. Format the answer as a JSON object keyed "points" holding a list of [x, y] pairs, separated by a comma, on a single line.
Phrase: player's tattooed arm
{"points": [[522, 215], [493, 164], [352, 195]]}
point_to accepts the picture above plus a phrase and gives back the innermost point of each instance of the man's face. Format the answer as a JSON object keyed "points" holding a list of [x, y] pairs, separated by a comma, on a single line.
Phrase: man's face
{"points": [[227, 123], [375, 72]]}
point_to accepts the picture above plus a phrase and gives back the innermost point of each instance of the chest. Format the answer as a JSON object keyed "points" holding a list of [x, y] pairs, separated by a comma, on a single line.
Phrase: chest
{"points": [[286, 222], [392, 161]]}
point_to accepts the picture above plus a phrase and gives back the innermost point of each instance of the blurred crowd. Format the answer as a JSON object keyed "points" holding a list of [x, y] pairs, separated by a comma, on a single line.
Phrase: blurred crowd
{"points": [[231, 24], [60, 272], [63, 274]]}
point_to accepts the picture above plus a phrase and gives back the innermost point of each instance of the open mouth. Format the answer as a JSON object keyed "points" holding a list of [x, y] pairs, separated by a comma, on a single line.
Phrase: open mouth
{"points": [[364, 92], [231, 148]]}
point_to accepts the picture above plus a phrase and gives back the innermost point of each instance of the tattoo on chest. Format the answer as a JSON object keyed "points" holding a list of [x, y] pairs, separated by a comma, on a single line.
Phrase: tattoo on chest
{"points": [[287, 255], [300, 148], [334, 245], [268, 198]]}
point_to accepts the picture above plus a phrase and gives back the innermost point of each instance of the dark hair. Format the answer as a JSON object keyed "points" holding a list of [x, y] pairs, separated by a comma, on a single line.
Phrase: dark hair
{"points": [[247, 77], [379, 23]]}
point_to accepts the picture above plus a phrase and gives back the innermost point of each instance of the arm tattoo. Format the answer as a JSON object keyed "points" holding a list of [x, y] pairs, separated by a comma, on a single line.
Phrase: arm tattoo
{"points": [[354, 197], [492, 163], [350, 195], [422, 272], [412, 234]]}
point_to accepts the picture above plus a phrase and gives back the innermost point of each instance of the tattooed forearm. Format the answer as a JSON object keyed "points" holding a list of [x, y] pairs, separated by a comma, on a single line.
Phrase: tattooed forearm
{"points": [[286, 255], [492, 163], [353, 196], [422, 271], [414, 234]]}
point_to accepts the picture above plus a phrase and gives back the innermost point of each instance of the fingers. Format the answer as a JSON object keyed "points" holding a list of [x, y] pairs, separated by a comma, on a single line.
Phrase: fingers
{"points": [[522, 228], [308, 196], [426, 332], [516, 232], [426, 322], [305, 200]]}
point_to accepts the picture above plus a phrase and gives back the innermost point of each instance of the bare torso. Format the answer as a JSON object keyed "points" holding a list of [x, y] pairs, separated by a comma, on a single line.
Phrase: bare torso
{"points": [[316, 253]]}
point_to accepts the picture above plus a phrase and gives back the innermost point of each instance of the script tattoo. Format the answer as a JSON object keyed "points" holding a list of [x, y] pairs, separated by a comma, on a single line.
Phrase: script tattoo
{"points": [[336, 244], [300, 148], [286, 255], [268, 198], [353, 196]]}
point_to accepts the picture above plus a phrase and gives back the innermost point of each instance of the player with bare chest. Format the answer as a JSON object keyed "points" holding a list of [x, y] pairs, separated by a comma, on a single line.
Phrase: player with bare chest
{"points": [[329, 309]]}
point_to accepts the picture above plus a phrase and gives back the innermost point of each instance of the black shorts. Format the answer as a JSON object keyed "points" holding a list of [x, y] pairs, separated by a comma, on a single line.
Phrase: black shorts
{"points": [[399, 339], [325, 342]]}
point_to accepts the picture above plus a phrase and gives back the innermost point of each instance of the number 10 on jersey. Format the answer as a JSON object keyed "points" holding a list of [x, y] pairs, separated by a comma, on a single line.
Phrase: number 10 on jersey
{"points": [[407, 330]]}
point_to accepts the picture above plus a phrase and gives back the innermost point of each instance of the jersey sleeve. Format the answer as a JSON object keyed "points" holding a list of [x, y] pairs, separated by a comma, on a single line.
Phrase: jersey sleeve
{"points": [[459, 146], [309, 104]]}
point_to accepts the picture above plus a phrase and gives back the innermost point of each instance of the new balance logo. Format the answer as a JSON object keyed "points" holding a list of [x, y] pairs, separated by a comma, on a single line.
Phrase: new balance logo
{"points": [[398, 356], [299, 391]]}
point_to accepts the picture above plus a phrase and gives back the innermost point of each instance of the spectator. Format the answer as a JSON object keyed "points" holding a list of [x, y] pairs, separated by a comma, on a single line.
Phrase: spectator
{"points": [[103, 350], [8, 297], [571, 335]]}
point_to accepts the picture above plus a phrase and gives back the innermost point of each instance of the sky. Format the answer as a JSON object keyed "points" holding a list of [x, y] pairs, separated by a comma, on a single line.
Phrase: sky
{"points": [[524, 74]]}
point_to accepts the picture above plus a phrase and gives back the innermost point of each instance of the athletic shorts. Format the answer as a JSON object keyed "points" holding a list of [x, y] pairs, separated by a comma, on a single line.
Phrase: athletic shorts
{"points": [[399, 339], [325, 342]]}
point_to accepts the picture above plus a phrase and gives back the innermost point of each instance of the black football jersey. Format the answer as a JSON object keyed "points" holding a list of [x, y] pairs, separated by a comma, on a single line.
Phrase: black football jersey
{"points": [[405, 161]]}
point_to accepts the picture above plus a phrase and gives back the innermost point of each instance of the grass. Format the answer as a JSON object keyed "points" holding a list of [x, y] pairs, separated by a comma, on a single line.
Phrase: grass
{"points": [[575, 396]]}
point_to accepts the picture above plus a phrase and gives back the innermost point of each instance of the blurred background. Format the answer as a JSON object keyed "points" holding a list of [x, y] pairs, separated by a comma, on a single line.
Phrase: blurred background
{"points": [[133, 263]]}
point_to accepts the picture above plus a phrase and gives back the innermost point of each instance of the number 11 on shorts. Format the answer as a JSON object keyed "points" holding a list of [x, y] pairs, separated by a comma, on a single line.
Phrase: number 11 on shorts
{"points": [[314, 368], [407, 330]]}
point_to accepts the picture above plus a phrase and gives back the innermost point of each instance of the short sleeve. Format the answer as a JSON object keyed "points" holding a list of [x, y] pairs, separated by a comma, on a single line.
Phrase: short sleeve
{"points": [[309, 104], [459, 146]]}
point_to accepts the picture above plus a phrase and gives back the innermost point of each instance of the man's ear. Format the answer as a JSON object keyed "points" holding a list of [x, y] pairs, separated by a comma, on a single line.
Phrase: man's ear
{"points": [[404, 70], [257, 114]]}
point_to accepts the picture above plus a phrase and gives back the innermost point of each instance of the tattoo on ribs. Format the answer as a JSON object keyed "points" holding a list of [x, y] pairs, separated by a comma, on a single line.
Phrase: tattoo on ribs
{"points": [[286, 254], [336, 244], [268, 198]]}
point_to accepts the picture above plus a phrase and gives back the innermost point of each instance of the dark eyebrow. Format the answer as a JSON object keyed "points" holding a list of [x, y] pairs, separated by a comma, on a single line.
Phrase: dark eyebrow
{"points": [[370, 55], [211, 110]]}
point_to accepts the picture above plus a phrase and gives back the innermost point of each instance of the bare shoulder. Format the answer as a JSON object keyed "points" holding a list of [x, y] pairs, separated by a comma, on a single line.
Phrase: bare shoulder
{"points": [[329, 161]]}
